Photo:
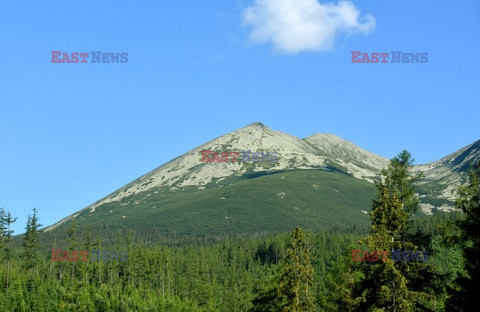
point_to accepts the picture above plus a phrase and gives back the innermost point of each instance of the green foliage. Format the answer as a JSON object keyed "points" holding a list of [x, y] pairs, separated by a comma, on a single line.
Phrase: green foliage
{"points": [[224, 276], [290, 289], [398, 181], [296, 280], [463, 295], [6, 221], [30, 242], [267, 295], [195, 271], [389, 285], [250, 206]]}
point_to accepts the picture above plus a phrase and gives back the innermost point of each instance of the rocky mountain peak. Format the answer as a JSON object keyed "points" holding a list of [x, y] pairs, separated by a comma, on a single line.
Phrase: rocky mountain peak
{"points": [[319, 151]]}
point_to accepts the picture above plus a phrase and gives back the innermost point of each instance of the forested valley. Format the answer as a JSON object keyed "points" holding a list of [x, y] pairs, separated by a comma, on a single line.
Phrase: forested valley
{"points": [[297, 271]]}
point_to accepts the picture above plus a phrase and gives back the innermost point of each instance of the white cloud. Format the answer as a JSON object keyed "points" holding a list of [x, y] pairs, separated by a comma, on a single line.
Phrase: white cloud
{"points": [[294, 26]]}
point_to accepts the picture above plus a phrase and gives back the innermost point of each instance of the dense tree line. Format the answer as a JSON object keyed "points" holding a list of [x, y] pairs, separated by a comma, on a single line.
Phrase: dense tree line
{"points": [[216, 277], [301, 271]]}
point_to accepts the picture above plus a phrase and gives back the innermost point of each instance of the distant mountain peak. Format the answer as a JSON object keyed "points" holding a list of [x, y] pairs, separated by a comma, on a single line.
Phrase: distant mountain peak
{"points": [[257, 124]]}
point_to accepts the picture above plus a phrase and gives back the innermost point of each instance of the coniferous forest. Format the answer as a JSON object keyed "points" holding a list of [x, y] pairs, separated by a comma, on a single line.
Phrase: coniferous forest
{"points": [[432, 264]]}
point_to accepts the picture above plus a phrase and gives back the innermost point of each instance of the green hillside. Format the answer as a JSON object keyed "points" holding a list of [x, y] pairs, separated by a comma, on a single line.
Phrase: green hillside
{"points": [[252, 204]]}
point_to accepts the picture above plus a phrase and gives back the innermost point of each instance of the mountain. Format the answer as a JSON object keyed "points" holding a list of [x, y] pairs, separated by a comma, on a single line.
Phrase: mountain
{"points": [[321, 181], [441, 178], [346, 155]]}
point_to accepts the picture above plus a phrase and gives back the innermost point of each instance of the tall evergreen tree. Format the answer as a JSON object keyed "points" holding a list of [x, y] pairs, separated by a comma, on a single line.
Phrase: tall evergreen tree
{"points": [[8, 220], [292, 289], [3, 228], [296, 281], [394, 285], [30, 243], [464, 296]]}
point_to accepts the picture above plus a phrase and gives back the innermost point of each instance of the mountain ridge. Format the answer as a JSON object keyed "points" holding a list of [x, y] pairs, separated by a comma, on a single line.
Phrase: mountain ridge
{"points": [[319, 151]]}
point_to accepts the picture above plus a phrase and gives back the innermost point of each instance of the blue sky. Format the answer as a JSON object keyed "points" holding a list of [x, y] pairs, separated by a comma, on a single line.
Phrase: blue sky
{"points": [[71, 134]]}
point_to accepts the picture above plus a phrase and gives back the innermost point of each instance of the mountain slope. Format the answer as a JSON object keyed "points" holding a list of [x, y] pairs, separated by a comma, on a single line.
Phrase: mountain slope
{"points": [[329, 185], [441, 178], [270, 203], [357, 161]]}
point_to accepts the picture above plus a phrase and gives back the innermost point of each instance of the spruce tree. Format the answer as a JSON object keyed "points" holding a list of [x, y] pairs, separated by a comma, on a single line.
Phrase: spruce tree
{"points": [[3, 228], [290, 289], [296, 281], [30, 243], [394, 285], [8, 220], [464, 296]]}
